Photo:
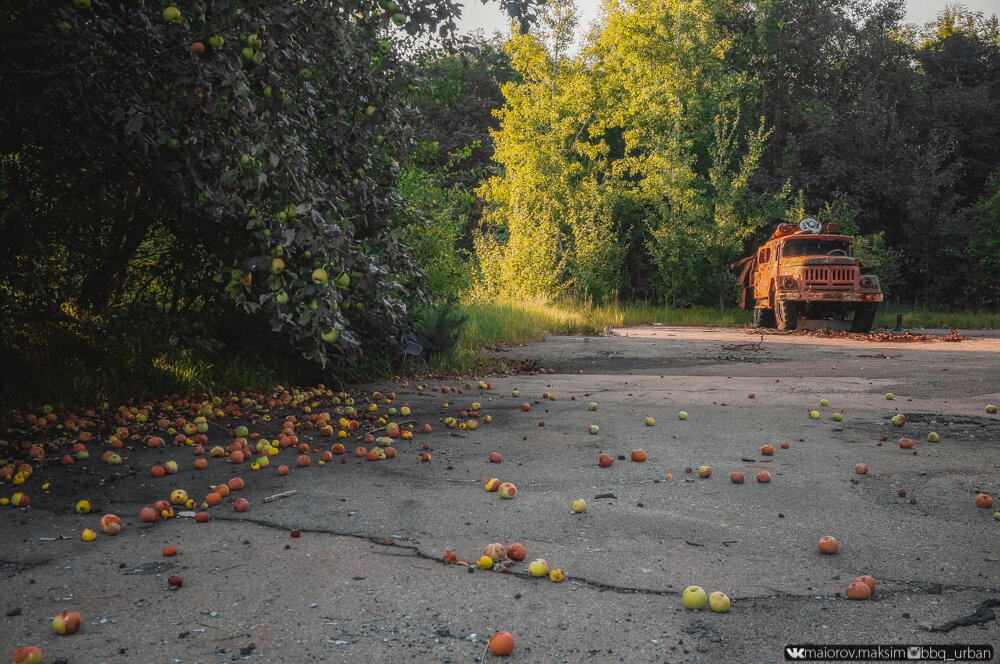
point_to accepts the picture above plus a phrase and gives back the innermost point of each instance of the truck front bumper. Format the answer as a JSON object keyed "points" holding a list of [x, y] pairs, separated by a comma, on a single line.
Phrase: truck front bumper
{"points": [[825, 296]]}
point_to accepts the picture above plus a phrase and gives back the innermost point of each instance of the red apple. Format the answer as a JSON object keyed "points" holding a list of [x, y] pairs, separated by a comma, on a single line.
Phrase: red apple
{"points": [[67, 622]]}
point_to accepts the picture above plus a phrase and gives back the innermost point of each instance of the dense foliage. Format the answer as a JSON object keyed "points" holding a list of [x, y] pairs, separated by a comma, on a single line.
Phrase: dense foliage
{"points": [[684, 131], [215, 169]]}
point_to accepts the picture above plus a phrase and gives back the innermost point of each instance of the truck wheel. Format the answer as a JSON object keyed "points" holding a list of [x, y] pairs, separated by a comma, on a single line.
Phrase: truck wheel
{"points": [[787, 315], [763, 318], [864, 317]]}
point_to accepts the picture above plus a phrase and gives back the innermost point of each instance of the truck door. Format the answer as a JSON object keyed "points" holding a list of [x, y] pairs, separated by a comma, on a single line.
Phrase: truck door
{"points": [[763, 274]]}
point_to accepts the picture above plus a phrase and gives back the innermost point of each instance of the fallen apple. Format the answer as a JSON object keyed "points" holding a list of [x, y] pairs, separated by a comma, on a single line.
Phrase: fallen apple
{"points": [[111, 524], [556, 576], [767, 450], [178, 496], [704, 472], [507, 490], [814, 414], [828, 544], [682, 415], [858, 590], [719, 601], [837, 417], [502, 644], [484, 562], [898, 420], [694, 597], [594, 429], [650, 421], [861, 468], [493, 484], [591, 406], [26, 654], [736, 477], [824, 402], [889, 396], [579, 505], [763, 477], [538, 567], [933, 437], [991, 409], [67, 622], [496, 551]]}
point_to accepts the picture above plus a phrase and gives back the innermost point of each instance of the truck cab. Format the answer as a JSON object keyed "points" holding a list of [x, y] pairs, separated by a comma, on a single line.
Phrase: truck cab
{"points": [[808, 270]]}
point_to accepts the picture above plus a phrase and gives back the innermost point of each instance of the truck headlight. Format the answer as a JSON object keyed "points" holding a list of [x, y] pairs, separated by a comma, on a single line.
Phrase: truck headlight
{"points": [[869, 281], [789, 283]]}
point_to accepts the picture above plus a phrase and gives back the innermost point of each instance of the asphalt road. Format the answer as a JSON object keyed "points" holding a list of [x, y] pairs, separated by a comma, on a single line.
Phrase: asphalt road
{"points": [[366, 580]]}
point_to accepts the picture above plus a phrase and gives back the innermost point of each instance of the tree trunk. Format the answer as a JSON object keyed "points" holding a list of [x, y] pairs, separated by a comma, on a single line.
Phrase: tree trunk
{"points": [[128, 233]]}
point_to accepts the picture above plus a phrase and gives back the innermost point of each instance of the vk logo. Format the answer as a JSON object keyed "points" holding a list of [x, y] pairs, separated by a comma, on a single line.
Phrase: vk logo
{"points": [[795, 653]]}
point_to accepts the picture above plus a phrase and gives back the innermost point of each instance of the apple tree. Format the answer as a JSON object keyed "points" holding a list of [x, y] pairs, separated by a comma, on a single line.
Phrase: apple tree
{"points": [[212, 157]]}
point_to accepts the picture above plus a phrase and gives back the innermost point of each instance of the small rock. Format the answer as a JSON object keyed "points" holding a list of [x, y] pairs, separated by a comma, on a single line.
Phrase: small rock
{"points": [[13, 611]]}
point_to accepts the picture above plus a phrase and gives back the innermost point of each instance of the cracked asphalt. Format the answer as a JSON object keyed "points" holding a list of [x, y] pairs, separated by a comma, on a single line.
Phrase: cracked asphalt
{"points": [[365, 581]]}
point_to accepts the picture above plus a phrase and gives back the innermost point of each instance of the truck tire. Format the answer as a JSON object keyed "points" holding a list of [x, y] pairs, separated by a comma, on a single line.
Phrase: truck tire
{"points": [[786, 315], [763, 318], [864, 317]]}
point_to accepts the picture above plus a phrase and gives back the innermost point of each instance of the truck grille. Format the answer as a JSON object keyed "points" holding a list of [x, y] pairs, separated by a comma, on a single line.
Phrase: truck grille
{"points": [[829, 277]]}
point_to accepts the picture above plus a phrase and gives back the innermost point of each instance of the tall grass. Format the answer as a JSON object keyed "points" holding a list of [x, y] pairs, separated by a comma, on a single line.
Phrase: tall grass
{"points": [[924, 317], [508, 321], [517, 321]]}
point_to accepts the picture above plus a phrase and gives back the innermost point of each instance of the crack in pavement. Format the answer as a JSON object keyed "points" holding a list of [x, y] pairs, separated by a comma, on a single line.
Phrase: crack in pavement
{"points": [[983, 615], [919, 587]]}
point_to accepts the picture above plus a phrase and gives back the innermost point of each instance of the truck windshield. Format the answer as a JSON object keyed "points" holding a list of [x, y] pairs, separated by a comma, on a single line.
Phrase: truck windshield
{"points": [[816, 247]]}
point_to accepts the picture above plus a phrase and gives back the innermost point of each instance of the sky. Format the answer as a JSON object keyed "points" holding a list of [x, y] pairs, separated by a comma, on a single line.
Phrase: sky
{"points": [[489, 18]]}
